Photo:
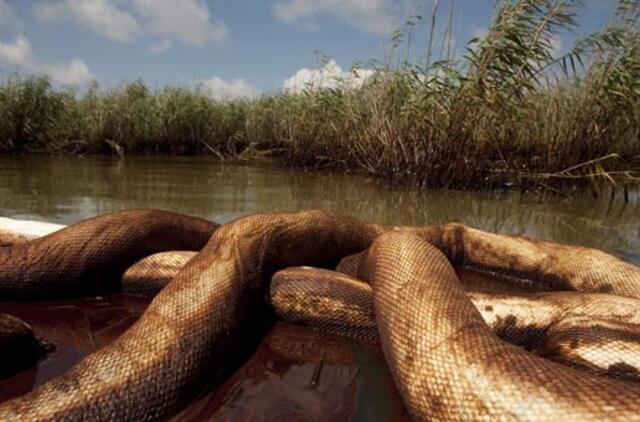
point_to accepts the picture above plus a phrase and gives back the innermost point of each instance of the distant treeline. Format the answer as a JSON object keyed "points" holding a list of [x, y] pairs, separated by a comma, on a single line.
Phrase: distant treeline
{"points": [[506, 113]]}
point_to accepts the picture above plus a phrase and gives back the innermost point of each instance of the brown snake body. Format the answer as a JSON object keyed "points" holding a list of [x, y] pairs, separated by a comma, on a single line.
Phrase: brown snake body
{"points": [[76, 259], [445, 359], [598, 332]]}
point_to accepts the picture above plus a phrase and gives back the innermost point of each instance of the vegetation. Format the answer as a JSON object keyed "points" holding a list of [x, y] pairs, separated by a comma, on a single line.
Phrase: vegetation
{"points": [[506, 113]]}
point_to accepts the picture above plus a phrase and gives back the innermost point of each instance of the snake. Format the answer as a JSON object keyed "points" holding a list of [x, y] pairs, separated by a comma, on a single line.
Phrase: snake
{"points": [[92, 255], [447, 362], [595, 332]]}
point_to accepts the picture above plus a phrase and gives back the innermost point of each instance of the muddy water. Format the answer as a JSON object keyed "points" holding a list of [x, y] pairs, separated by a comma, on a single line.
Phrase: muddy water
{"points": [[294, 372], [66, 189]]}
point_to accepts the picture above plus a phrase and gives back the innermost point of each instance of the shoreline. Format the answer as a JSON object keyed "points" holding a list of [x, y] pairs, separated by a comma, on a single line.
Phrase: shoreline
{"points": [[598, 190]]}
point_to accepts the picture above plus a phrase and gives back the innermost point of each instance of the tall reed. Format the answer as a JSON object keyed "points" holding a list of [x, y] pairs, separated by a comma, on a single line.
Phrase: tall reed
{"points": [[505, 113]]}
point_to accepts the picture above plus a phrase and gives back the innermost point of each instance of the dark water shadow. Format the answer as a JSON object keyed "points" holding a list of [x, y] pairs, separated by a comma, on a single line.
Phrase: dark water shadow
{"points": [[292, 372]]}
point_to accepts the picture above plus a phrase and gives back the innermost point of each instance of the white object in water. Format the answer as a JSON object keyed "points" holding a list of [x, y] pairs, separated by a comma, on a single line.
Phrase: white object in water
{"points": [[26, 229]]}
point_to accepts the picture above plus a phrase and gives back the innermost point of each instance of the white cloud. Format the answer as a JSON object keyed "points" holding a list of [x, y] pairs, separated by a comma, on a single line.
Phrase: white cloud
{"points": [[19, 53], [160, 47], [222, 89], [329, 76], [102, 16], [374, 16], [75, 72], [187, 20], [126, 20]]}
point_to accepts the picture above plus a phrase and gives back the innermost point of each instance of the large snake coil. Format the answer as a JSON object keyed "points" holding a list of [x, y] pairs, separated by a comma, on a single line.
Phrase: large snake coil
{"points": [[447, 347]]}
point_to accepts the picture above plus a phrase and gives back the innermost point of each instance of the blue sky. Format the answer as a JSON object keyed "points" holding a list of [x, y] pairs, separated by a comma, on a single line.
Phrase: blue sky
{"points": [[236, 47]]}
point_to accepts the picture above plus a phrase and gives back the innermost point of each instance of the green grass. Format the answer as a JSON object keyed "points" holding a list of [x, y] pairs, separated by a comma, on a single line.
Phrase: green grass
{"points": [[506, 113]]}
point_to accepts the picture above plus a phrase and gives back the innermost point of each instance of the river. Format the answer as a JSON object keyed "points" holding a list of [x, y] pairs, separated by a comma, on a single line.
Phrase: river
{"points": [[67, 189]]}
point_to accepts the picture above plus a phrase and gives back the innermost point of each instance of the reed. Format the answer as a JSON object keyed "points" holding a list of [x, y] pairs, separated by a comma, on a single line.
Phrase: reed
{"points": [[506, 113]]}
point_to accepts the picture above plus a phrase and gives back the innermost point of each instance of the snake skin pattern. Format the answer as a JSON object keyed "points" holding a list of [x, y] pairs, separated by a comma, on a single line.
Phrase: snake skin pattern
{"points": [[84, 258], [447, 362], [596, 332], [157, 366]]}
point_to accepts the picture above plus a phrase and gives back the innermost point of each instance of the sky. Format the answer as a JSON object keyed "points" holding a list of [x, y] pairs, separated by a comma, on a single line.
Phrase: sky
{"points": [[233, 47]]}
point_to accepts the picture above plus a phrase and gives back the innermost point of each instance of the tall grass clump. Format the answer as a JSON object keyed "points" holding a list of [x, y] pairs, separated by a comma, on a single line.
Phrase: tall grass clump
{"points": [[507, 112], [38, 118]]}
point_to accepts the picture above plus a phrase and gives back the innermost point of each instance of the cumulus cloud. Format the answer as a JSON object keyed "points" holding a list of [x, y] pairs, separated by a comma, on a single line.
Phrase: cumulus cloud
{"points": [[75, 72], [19, 53], [102, 16], [224, 90], [375, 16], [187, 20], [329, 76]]}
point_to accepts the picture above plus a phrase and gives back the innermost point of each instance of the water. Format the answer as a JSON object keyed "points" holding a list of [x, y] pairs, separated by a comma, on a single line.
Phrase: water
{"points": [[67, 189]]}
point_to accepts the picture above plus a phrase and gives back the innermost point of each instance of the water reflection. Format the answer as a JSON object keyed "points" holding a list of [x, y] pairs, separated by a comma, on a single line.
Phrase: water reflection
{"points": [[76, 327], [66, 189], [294, 374], [298, 374]]}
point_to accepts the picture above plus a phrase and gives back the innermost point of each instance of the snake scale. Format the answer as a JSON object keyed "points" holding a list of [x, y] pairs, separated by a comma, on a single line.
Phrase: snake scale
{"points": [[450, 360]]}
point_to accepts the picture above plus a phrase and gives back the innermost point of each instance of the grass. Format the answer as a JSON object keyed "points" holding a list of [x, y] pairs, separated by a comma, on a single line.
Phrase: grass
{"points": [[506, 113]]}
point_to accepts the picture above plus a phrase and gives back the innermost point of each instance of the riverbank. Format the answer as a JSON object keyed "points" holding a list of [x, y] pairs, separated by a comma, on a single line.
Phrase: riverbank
{"points": [[509, 113]]}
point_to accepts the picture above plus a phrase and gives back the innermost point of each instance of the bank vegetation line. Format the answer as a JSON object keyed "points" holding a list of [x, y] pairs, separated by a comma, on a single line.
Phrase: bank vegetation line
{"points": [[510, 111]]}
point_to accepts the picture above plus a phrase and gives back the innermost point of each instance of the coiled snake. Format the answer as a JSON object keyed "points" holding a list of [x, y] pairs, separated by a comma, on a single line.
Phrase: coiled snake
{"points": [[445, 358]]}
